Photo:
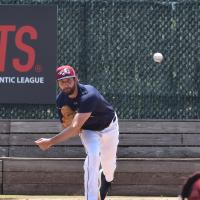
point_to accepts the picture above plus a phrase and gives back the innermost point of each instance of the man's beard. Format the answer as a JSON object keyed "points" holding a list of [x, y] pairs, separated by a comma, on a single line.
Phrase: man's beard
{"points": [[69, 91]]}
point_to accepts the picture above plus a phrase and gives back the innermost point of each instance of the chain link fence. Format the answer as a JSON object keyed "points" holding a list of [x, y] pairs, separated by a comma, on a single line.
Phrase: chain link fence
{"points": [[111, 44]]}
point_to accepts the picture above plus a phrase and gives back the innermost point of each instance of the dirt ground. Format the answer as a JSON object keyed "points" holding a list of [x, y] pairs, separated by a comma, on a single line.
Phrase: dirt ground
{"points": [[13, 197]]}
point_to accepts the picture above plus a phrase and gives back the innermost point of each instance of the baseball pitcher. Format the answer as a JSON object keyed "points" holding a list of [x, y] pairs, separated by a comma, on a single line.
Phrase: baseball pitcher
{"points": [[84, 111]]}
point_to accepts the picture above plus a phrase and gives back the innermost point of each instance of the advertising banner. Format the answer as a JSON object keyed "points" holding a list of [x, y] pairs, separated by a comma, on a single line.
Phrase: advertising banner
{"points": [[28, 48]]}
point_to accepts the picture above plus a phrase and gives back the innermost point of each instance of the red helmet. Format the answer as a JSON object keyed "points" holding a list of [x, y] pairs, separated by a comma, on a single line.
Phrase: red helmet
{"points": [[65, 71]]}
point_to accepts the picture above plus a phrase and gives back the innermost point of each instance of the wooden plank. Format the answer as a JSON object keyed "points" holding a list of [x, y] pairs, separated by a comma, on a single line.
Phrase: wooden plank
{"points": [[124, 139], [121, 178], [1, 174], [29, 138], [159, 165], [43, 189], [123, 165], [29, 177], [158, 152], [146, 178], [54, 152], [35, 127], [128, 126], [191, 139], [4, 126], [146, 190], [4, 151], [123, 152], [64, 189], [150, 139], [43, 165], [4, 139]]}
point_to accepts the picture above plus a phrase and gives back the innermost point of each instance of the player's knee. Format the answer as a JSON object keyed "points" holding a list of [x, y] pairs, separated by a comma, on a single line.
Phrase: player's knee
{"points": [[109, 157], [93, 160]]}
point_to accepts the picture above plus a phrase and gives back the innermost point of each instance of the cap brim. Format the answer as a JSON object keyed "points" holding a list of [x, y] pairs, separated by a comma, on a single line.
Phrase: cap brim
{"points": [[65, 77]]}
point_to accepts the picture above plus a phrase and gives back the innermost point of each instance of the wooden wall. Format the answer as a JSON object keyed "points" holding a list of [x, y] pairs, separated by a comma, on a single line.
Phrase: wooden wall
{"points": [[154, 158]]}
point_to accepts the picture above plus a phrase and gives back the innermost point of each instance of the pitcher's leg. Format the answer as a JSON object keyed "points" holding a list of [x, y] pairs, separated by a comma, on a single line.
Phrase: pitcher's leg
{"points": [[109, 143], [91, 142]]}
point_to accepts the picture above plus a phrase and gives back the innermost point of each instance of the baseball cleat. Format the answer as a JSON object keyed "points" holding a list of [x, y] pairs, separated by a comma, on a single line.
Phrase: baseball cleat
{"points": [[104, 185]]}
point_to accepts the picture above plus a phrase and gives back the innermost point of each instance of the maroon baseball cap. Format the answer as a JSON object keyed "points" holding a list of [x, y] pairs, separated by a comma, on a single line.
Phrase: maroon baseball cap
{"points": [[65, 71]]}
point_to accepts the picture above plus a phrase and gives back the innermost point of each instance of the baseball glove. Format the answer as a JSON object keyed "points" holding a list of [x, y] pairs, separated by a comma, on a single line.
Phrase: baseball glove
{"points": [[67, 116]]}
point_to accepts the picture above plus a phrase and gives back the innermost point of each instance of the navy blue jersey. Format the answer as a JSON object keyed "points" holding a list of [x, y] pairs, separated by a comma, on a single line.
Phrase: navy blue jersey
{"points": [[88, 100]]}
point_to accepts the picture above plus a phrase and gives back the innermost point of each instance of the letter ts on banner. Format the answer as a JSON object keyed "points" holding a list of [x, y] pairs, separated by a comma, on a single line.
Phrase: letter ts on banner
{"points": [[4, 30], [28, 47]]}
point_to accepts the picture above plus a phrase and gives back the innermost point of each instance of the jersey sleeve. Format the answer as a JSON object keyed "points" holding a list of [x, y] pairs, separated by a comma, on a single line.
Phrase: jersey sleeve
{"points": [[88, 103]]}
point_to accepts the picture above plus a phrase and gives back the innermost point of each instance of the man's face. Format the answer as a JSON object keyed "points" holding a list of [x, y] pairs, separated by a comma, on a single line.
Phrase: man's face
{"points": [[67, 85]]}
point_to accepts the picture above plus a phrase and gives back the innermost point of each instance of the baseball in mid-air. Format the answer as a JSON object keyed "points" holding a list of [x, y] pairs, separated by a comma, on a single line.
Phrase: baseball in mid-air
{"points": [[158, 57]]}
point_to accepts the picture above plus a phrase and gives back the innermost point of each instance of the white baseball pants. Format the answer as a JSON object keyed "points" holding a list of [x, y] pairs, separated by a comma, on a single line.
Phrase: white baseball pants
{"points": [[101, 148]]}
